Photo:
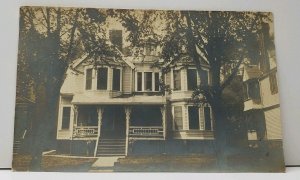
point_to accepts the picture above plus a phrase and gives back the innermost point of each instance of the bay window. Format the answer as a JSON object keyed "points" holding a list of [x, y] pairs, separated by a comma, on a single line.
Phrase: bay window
{"points": [[192, 79]]}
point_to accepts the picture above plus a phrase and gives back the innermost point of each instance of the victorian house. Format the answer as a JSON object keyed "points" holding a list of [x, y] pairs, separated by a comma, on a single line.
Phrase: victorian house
{"points": [[122, 109]]}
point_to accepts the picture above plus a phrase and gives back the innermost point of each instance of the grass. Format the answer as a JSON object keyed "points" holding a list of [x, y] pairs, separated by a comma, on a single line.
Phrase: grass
{"points": [[51, 163]]}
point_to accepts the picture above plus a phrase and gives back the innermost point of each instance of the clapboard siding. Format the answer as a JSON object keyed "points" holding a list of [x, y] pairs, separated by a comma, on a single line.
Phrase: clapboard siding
{"points": [[127, 82], [268, 99], [273, 124]]}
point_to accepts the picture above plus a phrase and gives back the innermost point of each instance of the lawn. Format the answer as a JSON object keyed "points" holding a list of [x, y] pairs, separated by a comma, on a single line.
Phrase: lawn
{"points": [[52, 163]]}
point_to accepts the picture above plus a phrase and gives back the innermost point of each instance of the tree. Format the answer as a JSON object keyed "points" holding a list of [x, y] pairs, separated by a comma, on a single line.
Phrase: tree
{"points": [[219, 38], [48, 39]]}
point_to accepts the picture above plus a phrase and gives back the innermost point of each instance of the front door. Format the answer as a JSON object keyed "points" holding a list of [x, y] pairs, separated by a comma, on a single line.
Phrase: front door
{"points": [[113, 123]]}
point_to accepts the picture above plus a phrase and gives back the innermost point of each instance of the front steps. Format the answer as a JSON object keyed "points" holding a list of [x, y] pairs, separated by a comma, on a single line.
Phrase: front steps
{"points": [[16, 146], [111, 147]]}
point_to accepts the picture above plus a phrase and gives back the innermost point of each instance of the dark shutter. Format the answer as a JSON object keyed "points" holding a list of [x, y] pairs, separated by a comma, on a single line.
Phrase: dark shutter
{"points": [[116, 79], [88, 79], [139, 81], [102, 79], [192, 79], [177, 80], [178, 118], [207, 118], [193, 117], [273, 83], [66, 118]]}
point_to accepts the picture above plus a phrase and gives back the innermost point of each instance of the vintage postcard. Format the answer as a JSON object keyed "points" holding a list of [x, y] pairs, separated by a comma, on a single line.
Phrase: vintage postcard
{"points": [[120, 90]]}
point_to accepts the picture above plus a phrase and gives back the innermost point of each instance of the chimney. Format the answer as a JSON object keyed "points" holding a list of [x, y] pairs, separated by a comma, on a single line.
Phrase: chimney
{"points": [[115, 37]]}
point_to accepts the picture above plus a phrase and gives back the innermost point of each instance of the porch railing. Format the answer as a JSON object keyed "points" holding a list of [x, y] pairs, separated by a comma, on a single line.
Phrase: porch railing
{"points": [[85, 131], [146, 131]]}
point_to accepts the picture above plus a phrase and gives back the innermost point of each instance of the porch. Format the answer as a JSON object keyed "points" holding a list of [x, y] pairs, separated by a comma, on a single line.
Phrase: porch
{"points": [[115, 123]]}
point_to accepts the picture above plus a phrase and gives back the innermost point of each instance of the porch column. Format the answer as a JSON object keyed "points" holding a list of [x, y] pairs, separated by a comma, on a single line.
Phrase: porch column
{"points": [[100, 111], [163, 116], [127, 113], [75, 117]]}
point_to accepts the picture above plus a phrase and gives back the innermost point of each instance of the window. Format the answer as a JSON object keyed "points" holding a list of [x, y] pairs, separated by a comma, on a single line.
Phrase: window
{"points": [[204, 77], [178, 118], [116, 79], [254, 91], [148, 81], [156, 79], [207, 118], [66, 118], [192, 79], [177, 80], [102, 78], [193, 117], [139, 81], [273, 83], [88, 79]]}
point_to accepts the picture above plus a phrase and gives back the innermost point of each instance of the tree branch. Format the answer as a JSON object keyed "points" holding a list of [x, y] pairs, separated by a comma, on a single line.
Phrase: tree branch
{"points": [[232, 75]]}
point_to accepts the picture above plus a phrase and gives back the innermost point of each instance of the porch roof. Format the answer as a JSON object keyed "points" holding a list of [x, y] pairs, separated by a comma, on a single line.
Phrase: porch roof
{"points": [[86, 99]]}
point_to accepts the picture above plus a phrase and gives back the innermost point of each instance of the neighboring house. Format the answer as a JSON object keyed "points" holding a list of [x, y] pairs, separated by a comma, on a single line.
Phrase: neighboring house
{"points": [[261, 106], [24, 118], [121, 109]]}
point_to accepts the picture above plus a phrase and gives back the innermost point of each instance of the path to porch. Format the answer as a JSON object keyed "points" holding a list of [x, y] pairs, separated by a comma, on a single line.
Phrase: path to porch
{"points": [[105, 164]]}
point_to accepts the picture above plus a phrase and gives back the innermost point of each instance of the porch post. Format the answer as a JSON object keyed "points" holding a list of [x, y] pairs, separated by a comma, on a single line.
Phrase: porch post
{"points": [[75, 117], [100, 111], [163, 115], [127, 113]]}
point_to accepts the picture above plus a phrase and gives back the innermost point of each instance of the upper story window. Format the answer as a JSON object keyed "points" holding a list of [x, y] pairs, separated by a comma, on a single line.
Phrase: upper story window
{"points": [[89, 79], [147, 81], [273, 83], [102, 74], [177, 80], [252, 90], [116, 85], [192, 79]]}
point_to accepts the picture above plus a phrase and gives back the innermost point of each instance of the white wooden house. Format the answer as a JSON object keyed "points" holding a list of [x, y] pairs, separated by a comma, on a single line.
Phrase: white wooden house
{"points": [[261, 105], [106, 110]]}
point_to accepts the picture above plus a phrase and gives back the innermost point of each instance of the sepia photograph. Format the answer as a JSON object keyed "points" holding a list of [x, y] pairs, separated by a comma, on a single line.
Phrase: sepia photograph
{"points": [[124, 90]]}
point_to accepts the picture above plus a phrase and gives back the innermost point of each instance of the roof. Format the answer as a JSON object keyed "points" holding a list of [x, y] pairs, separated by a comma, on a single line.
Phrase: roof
{"points": [[251, 72], [85, 56], [92, 99]]}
